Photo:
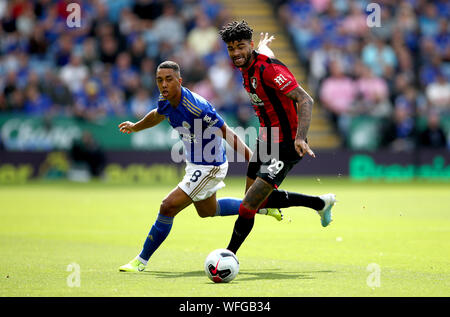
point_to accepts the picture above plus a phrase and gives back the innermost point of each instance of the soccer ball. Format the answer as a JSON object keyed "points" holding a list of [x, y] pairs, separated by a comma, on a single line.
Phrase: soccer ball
{"points": [[221, 266]]}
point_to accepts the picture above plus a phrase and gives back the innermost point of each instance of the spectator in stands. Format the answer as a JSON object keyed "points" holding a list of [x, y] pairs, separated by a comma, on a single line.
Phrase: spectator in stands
{"points": [[430, 70], [141, 104], [400, 132], [371, 87], [87, 151], [15, 103], [147, 75], [148, 9], [337, 94], [89, 53], [409, 99], [109, 49], [192, 65], [115, 102], [169, 27], [138, 52], [124, 75], [380, 107], [74, 73], [90, 102], [38, 45], [221, 78], [385, 30], [36, 103], [58, 92], [433, 136], [373, 94], [442, 39], [405, 18], [355, 22], [10, 84], [438, 94], [202, 38], [428, 20], [378, 55], [63, 50]]}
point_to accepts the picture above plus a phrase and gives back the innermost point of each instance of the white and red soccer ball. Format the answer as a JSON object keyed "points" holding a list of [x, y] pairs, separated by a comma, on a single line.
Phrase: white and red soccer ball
{"points": [[221, 266]]}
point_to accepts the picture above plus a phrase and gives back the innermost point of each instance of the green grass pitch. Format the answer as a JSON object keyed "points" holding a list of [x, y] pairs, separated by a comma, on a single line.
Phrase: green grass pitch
{"points": [[387, 239]]}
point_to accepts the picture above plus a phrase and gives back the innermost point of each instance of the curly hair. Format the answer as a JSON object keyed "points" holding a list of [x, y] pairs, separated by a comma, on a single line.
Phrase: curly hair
{"points": [[236, 31]]}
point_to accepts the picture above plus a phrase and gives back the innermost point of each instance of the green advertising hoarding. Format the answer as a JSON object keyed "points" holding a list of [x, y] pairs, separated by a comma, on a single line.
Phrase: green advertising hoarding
{"points": [[33, 133], [37, 133]]}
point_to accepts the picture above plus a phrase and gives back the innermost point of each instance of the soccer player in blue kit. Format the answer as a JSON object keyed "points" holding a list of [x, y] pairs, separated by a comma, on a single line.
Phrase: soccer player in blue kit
{"points": [[206, 163]]}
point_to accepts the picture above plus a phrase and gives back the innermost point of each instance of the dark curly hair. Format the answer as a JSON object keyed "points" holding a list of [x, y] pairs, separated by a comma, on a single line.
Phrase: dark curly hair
{"points": [[236, 31]]}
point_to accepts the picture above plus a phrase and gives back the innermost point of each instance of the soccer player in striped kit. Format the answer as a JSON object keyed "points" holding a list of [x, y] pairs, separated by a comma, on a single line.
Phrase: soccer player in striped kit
{"points": [[284, 110]]}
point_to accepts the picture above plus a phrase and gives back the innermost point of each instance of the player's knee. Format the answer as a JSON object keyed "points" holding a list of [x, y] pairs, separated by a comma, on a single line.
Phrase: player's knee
{"points": [[168, 208], [204, 213]]}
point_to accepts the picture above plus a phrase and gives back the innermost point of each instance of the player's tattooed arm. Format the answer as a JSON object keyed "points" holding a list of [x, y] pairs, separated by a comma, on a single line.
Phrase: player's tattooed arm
{"points": [[304, 104], [304, 111]]}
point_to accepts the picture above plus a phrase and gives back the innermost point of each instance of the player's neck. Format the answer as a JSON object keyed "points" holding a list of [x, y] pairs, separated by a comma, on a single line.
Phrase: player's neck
{"points": [[175, 101], [250, 62]]}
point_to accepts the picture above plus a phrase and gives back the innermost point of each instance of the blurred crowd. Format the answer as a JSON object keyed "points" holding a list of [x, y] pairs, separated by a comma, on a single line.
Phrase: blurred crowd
{"points": [[107, 65], [395, 68], [398, 71]]}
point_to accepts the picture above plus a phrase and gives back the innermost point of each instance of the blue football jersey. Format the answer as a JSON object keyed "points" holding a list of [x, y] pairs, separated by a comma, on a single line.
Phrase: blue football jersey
{"points": [[196, 120]]}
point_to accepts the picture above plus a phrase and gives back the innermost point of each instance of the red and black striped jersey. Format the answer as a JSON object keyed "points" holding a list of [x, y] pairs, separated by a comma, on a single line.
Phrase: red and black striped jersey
{"points": [[267, 81]]}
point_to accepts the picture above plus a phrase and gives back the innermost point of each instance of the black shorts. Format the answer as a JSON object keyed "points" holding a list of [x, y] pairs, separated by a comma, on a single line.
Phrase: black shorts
{"points": [[272, 162]]}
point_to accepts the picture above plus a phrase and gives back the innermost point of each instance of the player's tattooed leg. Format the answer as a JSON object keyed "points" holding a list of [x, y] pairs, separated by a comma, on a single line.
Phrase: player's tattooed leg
{"points": [[257, 194]]}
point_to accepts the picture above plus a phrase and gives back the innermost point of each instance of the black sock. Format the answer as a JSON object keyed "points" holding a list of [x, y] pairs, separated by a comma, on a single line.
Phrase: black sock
{"points": [[242, 228], [284, 199]]}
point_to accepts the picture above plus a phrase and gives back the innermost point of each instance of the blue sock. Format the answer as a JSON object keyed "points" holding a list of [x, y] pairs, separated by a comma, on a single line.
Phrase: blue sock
{"points": [[228, 206], [158, 233]]}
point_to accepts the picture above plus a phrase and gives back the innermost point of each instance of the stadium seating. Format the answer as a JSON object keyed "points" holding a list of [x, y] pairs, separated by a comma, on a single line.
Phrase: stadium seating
{"points": [[105, 68]]}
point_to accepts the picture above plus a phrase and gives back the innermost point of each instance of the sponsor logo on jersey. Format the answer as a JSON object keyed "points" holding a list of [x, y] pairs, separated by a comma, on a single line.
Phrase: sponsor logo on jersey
{"points": [[279, 80], [256, 100]]}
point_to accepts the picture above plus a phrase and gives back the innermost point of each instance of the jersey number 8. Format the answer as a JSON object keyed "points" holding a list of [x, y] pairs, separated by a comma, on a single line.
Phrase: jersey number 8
{"points": [[195, 176]]}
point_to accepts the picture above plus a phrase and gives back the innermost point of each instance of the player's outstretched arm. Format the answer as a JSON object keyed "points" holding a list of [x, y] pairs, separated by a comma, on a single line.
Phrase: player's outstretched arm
{"points": [[304, 109], [235, 142], [263, 45], [150, 120]]}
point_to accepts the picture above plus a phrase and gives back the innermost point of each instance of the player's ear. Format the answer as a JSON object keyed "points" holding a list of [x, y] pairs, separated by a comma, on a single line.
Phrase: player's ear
{"points": [[252, 44]]}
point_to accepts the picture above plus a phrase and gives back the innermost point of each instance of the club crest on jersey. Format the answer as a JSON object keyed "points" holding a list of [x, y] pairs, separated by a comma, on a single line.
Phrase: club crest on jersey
{"points": [[186, 125], [254, 82], [185, 134]]}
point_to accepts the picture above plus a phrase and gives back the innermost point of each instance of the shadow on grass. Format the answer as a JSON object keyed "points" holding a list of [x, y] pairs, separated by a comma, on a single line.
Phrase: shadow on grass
{"points": [[273, 274]]}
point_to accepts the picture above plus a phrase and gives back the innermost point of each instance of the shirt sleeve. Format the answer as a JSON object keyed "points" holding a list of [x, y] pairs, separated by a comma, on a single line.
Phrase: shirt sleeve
{"points": [[279, 77]]}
